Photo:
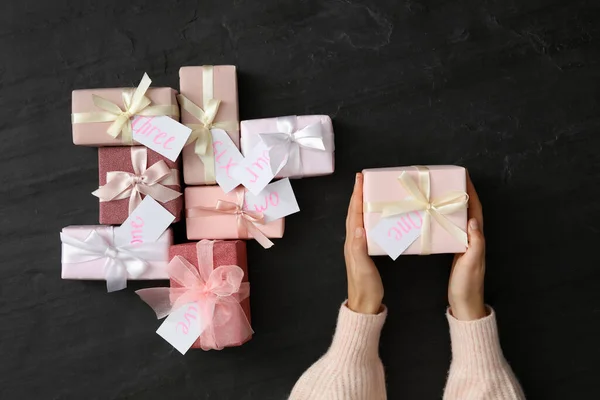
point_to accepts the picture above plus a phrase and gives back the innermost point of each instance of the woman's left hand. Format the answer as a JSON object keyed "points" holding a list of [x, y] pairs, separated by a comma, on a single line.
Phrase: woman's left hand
{"points": [[365, 289]]}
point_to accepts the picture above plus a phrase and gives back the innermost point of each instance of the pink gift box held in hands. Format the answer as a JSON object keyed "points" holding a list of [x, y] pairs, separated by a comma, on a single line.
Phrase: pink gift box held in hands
{"points": [[395, 191], [102, 117], [153, 175], [205, 221], [231, 252], [88, 261], [302, 146], [209, 100]]}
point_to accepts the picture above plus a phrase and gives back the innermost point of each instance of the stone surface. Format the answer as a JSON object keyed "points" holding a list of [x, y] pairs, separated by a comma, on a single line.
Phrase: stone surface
{"points": [[507, 89]]}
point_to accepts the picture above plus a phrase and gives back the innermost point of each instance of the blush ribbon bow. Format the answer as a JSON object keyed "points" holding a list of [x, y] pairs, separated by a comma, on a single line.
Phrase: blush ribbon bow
{"points": [[247, 220], [147, 181], [284, 145], [420, 200], [121, 261], [217, 292], [135, 102], [201, 134]]}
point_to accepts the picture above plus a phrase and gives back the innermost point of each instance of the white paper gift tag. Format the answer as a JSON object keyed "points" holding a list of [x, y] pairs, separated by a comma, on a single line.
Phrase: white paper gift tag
{"points": [[161, 134], [183, 327], [255, 170], [146, 224], [395, 234], [227, 159], [276, 201]]}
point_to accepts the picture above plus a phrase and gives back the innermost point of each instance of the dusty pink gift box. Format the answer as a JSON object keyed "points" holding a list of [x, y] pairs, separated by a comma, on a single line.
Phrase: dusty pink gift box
{"points": [[225, 252], [225, 90], [382, 185], [115, 212], [94, 133], [94, 270], [220, 226], [313, 162]]}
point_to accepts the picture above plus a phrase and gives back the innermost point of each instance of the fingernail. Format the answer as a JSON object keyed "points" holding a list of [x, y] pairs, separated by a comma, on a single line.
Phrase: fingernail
{"points": [[473, 224], [358, 233]]}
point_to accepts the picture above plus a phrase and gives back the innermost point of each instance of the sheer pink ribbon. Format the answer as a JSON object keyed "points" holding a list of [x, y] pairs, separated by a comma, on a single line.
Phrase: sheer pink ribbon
{"points": [[247, 220], [147, 181], [217, 292]]}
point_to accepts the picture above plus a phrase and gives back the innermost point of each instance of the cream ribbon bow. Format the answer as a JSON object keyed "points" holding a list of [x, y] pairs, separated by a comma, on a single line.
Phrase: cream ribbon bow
{"points": [[201, 132], [147, 181], [449, 203], [136, 103]]}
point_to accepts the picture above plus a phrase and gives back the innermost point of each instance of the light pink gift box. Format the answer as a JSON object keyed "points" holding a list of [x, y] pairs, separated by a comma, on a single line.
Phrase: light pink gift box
{"points": [[224, 89], [94, 133], [313, 162], [94, 270], [220, 226], [381, 185]]}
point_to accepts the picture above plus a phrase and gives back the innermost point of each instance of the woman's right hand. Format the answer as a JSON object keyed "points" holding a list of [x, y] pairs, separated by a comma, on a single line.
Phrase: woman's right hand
{"points": [[465, 289]]}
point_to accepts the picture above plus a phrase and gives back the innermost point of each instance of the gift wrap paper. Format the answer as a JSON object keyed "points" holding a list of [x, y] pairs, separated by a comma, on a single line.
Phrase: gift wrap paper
{"points": [[382, 185], [94, 133], [231, 252], [225, 90], [94, 270]]}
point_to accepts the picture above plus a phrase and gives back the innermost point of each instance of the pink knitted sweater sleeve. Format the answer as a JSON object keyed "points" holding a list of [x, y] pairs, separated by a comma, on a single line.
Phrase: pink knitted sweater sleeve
{"points": [[479, 370], [352, 370]]}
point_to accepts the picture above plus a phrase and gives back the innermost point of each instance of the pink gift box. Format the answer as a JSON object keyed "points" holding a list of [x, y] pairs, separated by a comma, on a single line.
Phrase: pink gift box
{"points": [[225, 90], [382, 185], [94, 133], [221, 226], [115, 212], [224, 253], [94, 269], [313, 162]]}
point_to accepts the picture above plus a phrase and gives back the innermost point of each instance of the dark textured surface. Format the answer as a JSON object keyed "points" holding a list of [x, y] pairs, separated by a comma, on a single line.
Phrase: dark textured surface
{"points": [[508, 89]]}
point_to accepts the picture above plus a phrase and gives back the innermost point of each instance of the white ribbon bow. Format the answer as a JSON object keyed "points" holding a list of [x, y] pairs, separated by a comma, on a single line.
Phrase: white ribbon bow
{"points": [[121, 261], [284, 146]]}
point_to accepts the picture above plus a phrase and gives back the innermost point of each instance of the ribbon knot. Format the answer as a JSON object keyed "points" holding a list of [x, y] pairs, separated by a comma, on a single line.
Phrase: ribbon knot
{"points": [[420, 200], [111, 252], [284, 145], [217, 292], [147, 181], [135, 102]]}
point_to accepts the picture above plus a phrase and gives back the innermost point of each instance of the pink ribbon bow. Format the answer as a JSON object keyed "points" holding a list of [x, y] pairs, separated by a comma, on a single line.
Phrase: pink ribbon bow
{"points": [[246, 219], [147, 181], [217, 292]]}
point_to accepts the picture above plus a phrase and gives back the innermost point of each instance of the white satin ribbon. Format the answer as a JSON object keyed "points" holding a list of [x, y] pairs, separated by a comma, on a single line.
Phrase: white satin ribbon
{"points": [[284, 145], [122, 262]]}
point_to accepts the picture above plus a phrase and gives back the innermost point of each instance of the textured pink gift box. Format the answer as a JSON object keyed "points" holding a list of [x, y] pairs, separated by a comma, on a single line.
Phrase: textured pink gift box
{"points": [[382, 184], [94, 133], [115, 212], [314, 162], [232, 252], [94, 270], [220, 226], [224, 89]]}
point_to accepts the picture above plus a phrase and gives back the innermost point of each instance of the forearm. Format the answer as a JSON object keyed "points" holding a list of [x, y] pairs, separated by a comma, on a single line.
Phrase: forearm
{"points": [[351, 369], [479, 369]]}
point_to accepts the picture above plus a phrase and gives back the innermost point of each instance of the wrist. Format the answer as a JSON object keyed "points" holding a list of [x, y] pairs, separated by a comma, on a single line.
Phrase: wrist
{"points": [[468, 311], [364, 307]]}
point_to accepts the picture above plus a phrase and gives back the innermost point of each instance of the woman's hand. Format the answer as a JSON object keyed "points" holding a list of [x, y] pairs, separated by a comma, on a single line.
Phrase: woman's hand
{"points": [[365, 289], [465, 289]]}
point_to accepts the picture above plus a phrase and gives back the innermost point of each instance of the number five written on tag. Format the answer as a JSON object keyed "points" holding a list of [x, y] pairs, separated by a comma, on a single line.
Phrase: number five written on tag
{"points": [[191, 313]]}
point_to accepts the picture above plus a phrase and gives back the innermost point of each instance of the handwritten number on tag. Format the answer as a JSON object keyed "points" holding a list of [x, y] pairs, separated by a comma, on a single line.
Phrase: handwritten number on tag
{"points": [[189, 315], [404, 226]]}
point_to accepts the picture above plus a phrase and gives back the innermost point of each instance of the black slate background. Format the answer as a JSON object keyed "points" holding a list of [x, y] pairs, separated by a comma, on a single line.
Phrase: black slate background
{"points": [[508, 89]]}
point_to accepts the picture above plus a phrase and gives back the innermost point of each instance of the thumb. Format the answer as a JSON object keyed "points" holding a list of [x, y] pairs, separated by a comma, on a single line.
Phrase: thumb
{"points": [[476, 242]]}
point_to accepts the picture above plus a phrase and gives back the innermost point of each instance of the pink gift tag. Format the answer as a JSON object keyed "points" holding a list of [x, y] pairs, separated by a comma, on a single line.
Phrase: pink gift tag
{"points": [[145, 224], [182, 327], [276, 201], [161, 134], [395, 234]]}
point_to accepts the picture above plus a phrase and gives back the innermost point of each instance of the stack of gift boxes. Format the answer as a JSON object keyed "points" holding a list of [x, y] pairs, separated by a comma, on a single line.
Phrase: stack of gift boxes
{"points": [[155, 171]]}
